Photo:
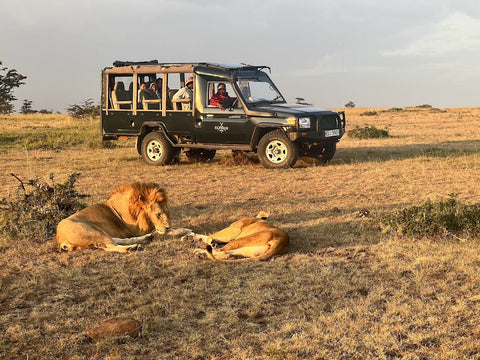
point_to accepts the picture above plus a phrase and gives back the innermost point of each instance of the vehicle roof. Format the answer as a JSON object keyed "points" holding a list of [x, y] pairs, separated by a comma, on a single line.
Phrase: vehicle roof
{"points": [[153, 66]]}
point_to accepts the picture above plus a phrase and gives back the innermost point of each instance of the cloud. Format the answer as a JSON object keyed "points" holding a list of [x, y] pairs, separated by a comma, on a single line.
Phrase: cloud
{"points": [[457, 33]]}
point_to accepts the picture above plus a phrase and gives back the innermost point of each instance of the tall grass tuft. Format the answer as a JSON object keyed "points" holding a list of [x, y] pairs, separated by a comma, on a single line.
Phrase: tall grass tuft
{"points": [[443, 219], [37, 207]]}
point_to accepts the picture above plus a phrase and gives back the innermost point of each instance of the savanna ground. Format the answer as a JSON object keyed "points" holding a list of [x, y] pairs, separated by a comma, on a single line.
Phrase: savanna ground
{"points": [[344, 291]]}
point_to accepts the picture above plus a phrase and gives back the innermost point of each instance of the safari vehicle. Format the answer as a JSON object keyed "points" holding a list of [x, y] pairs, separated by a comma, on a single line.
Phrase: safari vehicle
{"points": [[255, 118]]}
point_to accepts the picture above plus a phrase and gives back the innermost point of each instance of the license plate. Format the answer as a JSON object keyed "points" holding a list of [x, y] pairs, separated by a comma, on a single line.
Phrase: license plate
{"points": [[334, 132]]}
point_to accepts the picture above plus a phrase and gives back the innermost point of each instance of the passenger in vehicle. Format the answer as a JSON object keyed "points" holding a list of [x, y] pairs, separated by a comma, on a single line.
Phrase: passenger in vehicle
{"points": [[221, 94], [159, 83], [153, 87], [147, 99], [185, 95]]}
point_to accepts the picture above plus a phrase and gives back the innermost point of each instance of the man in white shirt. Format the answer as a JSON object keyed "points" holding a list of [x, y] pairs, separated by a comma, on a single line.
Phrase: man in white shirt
{"points": [[185, 95]]}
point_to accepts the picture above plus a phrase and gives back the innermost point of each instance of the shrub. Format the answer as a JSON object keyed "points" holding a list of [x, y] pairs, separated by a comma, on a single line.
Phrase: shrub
{"points": [[424, 106], [395, 109], [367, 132], [86, 110], [35, 214], [369, 113], [442, 218]]}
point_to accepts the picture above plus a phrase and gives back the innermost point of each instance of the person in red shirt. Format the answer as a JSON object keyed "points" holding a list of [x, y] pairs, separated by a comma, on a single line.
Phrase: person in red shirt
{"points": [[217, 99]]}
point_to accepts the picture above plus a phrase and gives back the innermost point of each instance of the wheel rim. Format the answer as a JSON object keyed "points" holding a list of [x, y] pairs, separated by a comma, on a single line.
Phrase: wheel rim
{"points": [[276, 151], [154, 150]]}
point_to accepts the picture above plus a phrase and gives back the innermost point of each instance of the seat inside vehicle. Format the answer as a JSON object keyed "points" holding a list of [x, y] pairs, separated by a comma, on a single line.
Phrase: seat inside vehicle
{"points": [[120, 97]]}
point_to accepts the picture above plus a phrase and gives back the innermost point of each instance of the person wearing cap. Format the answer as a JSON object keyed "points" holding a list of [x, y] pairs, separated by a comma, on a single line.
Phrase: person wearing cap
{"points": [[185, 95], [221, 94]]}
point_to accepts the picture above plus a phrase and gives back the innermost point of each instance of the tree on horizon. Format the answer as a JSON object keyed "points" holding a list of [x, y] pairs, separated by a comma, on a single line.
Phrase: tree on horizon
{"points": [[9, 79]]}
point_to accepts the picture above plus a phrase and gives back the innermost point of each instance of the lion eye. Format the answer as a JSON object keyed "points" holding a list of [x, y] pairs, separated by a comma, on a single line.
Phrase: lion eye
{"points": [[159, 216]]}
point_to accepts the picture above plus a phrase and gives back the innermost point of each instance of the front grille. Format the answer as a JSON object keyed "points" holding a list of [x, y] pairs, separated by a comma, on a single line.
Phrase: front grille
{"points": [[327, 122]]}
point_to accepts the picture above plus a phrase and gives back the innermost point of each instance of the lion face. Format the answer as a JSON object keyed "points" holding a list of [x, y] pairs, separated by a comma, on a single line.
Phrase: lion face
{"points": [[159, 216]]}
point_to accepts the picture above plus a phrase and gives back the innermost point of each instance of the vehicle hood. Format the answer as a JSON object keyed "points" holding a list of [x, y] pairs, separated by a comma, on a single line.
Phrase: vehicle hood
{"points": [[291, 109]]}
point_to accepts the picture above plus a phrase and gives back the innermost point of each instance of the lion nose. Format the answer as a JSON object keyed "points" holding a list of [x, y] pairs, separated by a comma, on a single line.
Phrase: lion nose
{"points": [[167, 227]]}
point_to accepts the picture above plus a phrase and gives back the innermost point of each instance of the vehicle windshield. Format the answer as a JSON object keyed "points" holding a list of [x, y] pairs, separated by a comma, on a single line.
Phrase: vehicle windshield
{"points": [[259, 90]]}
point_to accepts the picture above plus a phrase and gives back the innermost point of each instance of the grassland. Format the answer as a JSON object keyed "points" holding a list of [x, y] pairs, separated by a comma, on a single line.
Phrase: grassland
{"points": [[345, 290]]}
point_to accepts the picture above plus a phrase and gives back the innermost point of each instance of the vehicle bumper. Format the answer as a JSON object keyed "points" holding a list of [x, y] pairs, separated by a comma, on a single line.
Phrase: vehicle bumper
{"points": [[324, 130]]}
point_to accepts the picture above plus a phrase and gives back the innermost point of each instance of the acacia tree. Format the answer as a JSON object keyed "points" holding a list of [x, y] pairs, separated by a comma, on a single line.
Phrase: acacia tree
{"points": [[9, 79], [27, 107], [86, 110]]}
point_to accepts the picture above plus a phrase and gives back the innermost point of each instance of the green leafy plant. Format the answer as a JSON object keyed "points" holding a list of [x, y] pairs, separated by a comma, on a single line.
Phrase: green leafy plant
{"points": [[367, 132], [442, 218], [85, 110], [36, 209]]}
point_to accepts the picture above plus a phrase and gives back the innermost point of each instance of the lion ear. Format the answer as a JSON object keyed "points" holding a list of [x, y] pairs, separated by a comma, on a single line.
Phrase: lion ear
{"points": [[162, 193], [262, 215]]}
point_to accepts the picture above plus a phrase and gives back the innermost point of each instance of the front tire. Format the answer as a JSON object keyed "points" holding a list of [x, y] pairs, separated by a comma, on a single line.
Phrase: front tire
{"points": [[156, 149], [276, 151]]}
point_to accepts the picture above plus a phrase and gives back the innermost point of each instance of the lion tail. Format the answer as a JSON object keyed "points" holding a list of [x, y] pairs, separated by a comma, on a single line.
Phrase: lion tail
{"points": [[211, 256]]}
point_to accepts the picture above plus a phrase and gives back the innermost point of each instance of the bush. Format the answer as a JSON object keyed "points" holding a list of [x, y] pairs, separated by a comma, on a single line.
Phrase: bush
{"points": [[367, 132], [395, 109], [85, 110], [369, 113], [424, 106], [434, 219], [35, 214]]}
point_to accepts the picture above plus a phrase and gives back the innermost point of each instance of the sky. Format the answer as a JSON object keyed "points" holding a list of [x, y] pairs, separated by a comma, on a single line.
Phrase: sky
{"points": [[376, 53]]}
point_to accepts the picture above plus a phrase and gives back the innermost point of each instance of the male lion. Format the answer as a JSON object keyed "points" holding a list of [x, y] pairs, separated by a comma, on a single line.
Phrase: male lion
{"points": [[246, 239], [128, 217]]}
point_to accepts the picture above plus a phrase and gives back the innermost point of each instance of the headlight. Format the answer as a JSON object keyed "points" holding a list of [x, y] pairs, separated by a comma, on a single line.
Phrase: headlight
{"points": [[304, 122]]}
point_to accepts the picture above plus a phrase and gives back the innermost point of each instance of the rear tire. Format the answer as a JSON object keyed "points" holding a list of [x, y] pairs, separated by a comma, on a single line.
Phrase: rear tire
{"points": [[156, 149], [276, 151]]}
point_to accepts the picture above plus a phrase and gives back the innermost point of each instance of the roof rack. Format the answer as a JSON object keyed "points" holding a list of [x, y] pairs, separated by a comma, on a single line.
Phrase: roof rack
{"points": [[118, 63]]}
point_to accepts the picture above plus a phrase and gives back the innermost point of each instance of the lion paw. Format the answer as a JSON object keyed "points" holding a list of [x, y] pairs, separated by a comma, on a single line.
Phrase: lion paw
{"points": [[188, 237], [135, 247], [200, 253]]}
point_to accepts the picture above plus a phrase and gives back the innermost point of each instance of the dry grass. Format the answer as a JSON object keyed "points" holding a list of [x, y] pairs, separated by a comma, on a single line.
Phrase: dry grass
{"points": [[343, 291]]}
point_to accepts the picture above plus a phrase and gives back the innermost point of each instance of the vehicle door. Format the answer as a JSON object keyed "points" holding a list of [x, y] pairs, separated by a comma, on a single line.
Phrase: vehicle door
{"points": [[119, 118], [223, 121]]}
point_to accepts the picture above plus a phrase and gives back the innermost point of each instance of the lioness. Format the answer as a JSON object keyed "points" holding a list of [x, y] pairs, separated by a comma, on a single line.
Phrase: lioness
{"points": [[126, 219], [246, 239]]}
